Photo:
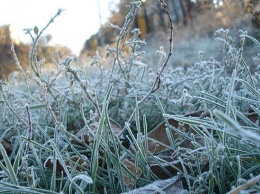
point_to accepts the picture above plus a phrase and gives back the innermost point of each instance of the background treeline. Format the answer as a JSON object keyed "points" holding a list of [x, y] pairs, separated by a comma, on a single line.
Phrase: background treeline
{"points": [[44, 50], [193, 19]]}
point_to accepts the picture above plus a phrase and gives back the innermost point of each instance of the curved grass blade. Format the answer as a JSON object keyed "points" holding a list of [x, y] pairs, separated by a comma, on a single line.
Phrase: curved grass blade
{"points": [[9, 170], [82, 177], [233, 126]]}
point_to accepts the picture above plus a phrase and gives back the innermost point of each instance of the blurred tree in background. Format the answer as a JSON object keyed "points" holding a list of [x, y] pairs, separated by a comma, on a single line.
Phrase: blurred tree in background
{"points": [[7, 63], [193, 19], [200, 17]]}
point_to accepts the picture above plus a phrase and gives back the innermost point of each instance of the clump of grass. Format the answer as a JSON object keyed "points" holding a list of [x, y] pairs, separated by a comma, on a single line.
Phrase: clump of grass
{"points": [[62, 126]]}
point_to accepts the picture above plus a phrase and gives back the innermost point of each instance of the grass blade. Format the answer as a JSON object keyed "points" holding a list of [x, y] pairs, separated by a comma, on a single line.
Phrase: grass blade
{"points": [[233, 126], [9, 168]]}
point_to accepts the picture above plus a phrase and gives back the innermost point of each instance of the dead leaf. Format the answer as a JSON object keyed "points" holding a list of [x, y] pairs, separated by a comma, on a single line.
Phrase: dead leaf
{"points": [[253, 116], [159, 134], [128, 180], [7, 146], [35, 30], [158, 141], [59, 168], [84, 134], [115, 127]]}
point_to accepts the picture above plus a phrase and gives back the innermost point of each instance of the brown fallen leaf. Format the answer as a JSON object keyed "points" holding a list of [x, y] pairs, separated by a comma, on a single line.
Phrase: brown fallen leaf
{"points": [[158, 143], [159, 134], [7, 146], [128, 180], [253, 116], [84, 134], [59, 168]]}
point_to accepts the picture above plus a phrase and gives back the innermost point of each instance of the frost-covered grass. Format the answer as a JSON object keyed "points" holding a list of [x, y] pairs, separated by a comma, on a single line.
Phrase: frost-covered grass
{"points": [[41, 115]]}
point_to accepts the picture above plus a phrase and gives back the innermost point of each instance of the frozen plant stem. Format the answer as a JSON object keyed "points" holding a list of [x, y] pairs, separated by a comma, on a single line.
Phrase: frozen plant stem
{"points": [[124, 33], [12, 109], [29, 128], [66, 63], [21, 69], [29, 137], [156, 84], [32, 53]]}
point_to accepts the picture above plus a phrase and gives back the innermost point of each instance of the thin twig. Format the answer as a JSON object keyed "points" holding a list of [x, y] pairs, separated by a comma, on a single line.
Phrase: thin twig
{"points": [[21, 69], [36, 40], [156, 84], [29, 128], [82, 84], [29, 137], [12, 109]]}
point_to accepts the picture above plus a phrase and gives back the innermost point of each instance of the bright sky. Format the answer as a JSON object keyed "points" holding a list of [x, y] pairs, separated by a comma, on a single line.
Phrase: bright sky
{"points": [[75, 25]]}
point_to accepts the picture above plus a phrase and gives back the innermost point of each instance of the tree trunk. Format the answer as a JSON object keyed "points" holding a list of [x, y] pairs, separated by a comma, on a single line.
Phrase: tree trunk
{"points": [[186, 8]]}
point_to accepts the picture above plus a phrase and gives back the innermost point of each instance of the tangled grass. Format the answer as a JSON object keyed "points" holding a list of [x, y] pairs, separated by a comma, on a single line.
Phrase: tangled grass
{"points": [[77, 131]]}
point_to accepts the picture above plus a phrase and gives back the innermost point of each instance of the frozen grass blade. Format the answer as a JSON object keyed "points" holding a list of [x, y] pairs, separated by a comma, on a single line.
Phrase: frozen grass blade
{"points": [[114, 158], [98, 139], [9, 187], [229, 104], [37, 144], [137, 146], [40, 164], [81, 177], [187, 120], [169, 132], [248, 72], [37, 106], [215, 100], [54, 173], [234, 127], [251, 88], [253, 39], [8, 168], [17, 159], [64, 166], [60, 158]]}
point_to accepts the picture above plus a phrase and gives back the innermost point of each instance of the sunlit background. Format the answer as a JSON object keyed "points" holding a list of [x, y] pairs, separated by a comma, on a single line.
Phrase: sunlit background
{"points": [[77, 23], [77, 30]]}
